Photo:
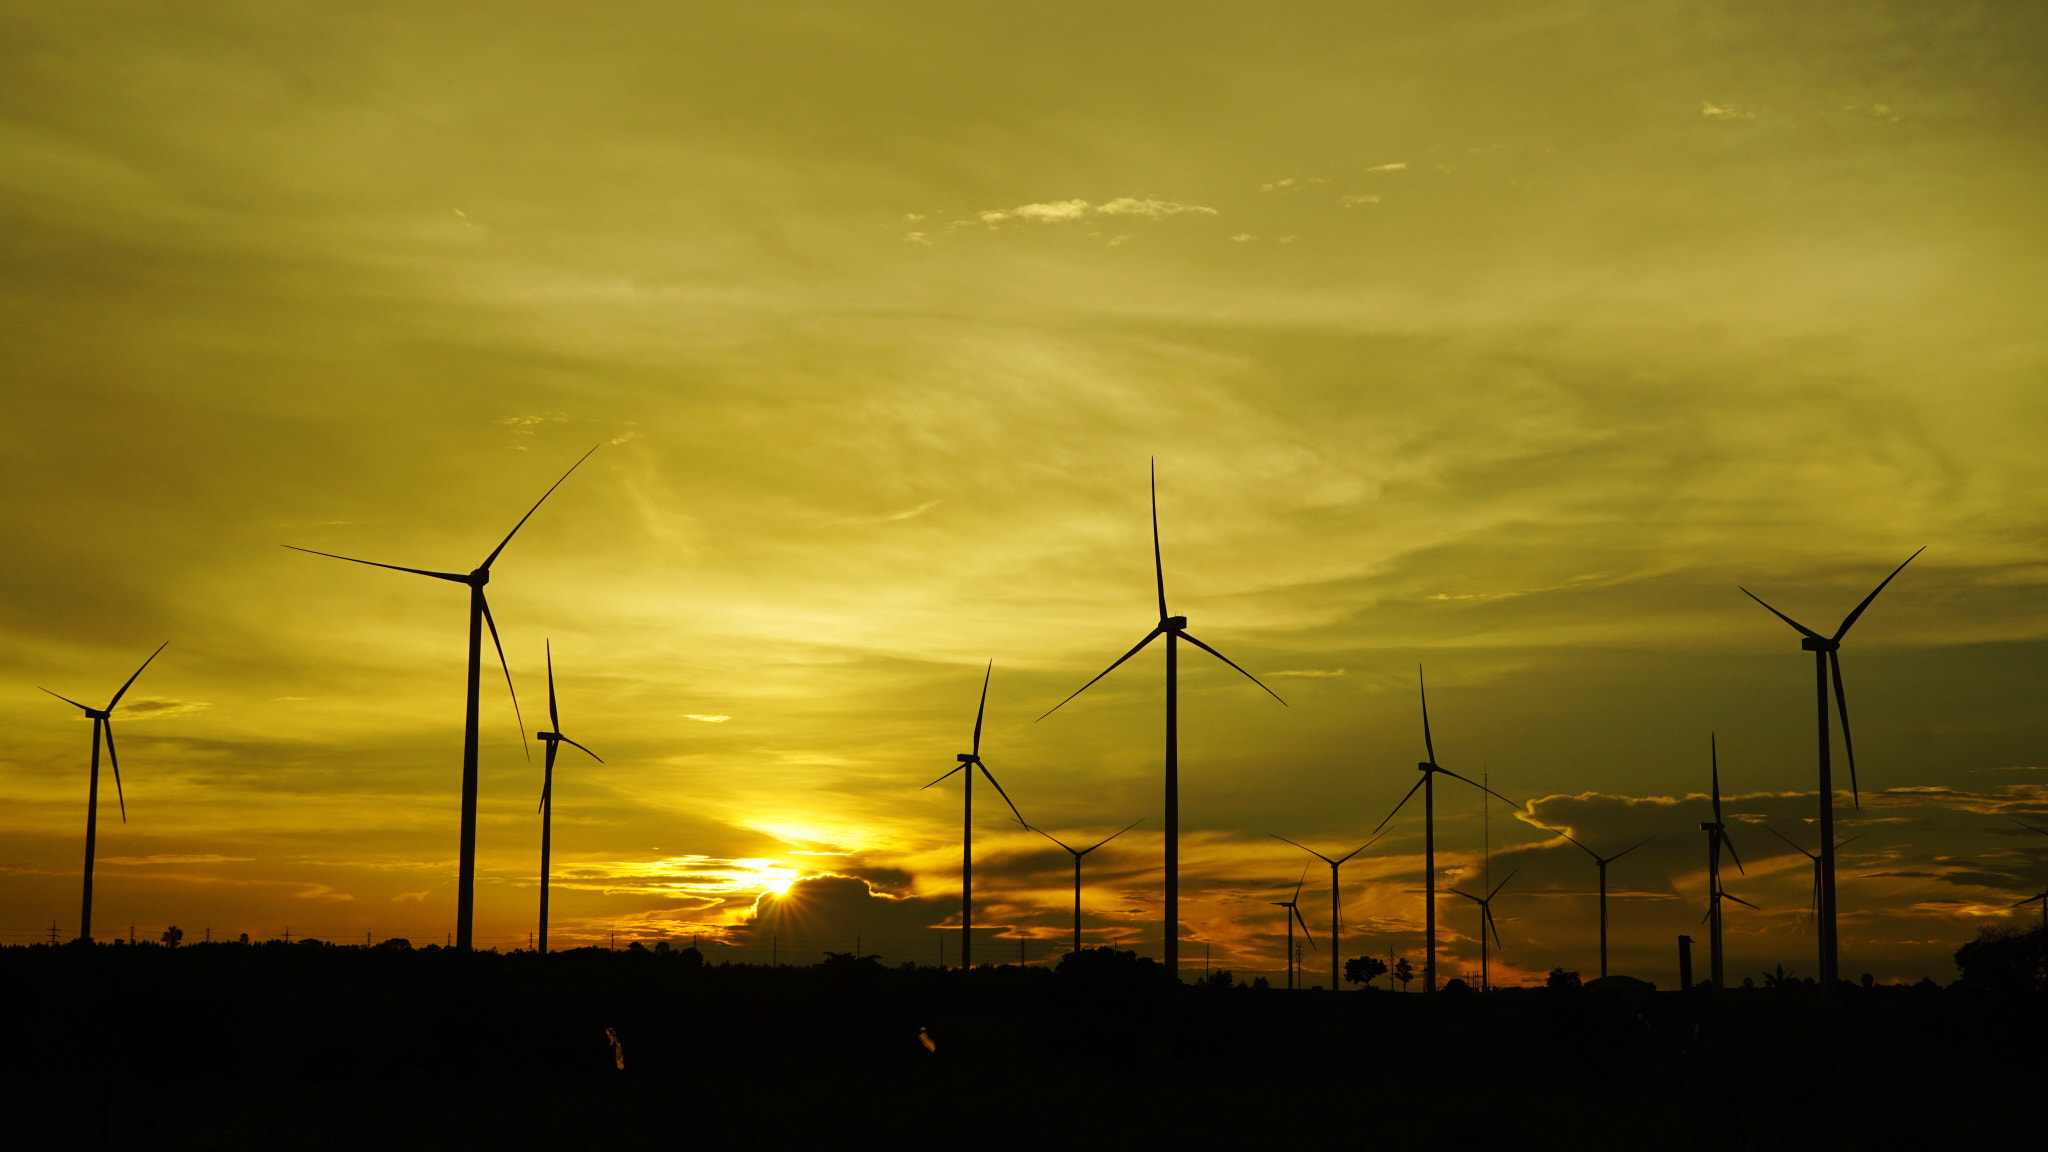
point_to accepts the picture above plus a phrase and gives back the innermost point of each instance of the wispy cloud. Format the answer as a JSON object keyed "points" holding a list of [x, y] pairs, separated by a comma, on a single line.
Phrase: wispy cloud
{"points": [[172, 858], [1063, 211], [706, 719]]}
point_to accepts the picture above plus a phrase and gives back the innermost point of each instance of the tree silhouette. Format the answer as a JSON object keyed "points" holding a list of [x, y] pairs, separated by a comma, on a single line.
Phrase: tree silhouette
{"points": [[1364, 969], [172, 935], [1404, 972], [2004, 959]]}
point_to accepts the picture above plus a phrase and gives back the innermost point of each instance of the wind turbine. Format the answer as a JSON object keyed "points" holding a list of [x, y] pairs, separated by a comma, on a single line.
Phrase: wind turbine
{"points": [[1078, 853], [479, 617], [1336, 925], [1429, 769], [1717, 839], [1485, 922], [1827, 659], [1293, 907], [1602, 863], [1815, 858], [102, 721], [1174, 628], [968, 762], [554, 740]]}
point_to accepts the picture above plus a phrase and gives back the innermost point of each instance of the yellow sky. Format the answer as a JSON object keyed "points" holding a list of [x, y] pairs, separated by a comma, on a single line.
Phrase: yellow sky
{"points": [[1509, 341]]}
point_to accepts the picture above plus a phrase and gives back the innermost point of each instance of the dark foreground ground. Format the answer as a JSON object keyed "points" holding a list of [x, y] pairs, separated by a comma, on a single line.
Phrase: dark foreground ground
{"points": [[291, 1046]]}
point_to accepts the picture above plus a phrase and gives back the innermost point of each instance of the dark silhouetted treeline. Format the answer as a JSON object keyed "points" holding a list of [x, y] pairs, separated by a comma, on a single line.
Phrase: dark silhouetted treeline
{"points": [[314, 1046]]}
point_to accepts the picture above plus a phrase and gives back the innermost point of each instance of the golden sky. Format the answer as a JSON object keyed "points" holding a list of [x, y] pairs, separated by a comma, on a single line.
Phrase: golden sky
{"points": [[1507, 340]]}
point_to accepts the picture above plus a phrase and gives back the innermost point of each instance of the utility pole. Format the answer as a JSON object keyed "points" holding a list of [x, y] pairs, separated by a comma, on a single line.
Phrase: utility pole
{"points": [[287, 933], [53, 933]]}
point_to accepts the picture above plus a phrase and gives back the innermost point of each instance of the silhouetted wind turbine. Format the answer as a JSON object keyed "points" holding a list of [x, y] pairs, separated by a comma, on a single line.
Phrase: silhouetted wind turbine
{"points": [[102, 721], [1827, 659], [479, 617], [1293, 907], [1336, 925], [968, 762], [1429, 769], [1601, 864], [1717, 839], [1174, 628], [1486, 922], [1078, 853], [1815, 858], [554, 740]]}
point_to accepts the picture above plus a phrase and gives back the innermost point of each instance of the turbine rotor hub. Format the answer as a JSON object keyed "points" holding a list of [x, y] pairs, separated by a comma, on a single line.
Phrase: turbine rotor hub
{"points": [[1819, 644], [96, 714], [480, 577], [967, 758]]}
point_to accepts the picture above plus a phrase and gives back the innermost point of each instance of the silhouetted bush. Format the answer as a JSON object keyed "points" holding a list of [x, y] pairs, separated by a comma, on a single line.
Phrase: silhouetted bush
{"points": [[2004, 960]]}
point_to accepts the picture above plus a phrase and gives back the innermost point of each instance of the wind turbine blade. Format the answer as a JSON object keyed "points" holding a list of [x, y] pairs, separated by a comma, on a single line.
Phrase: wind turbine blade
{"points": [[947, 776], [115, 760], [1428, 745], [523, 745], [67, 700], [1788, 840], [1304, 848], [1149, 636], [1730, 846], [1040, 831], [1851, 617], [489, 560], [1482, 788], [1353, 852], [1714, 754], [585, 751], [1300, 882], [1495, 925], [999, 790], [2014, 819], [1498, 887], [1305, 934], [1404, 801], [983, 706], [1112, 836], [1739, 900], [554, 717], [1227, 660], [1630, 848], [372, 563], [1803, 629], [1158, 565], [1841, 844], [1582, 847], [131, 679], [1468, 896], [544, 790], [1842, 710], [2027, 901]]}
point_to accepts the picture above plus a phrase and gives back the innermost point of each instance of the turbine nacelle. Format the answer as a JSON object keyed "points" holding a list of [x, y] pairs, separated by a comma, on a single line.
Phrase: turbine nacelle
{"points": [[96, 714], [1708, 826], [1820, 644], [1426, 766], [967, 758], [479, 578], [1173, 623]]}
